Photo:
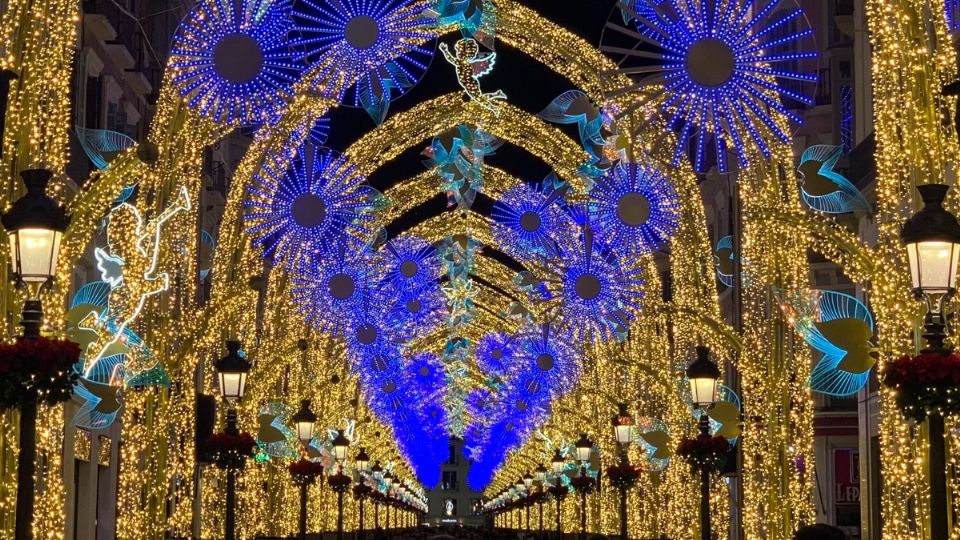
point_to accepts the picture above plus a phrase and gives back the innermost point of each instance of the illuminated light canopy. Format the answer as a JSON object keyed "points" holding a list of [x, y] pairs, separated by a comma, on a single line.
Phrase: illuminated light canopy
{"points": [[385, 45], [316, 203], [714, 72], [527, 221], [593, 294], [634, 207], [232, 60]]}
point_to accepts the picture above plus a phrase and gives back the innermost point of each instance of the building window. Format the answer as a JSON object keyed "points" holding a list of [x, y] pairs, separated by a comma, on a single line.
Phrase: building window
{"points": [[449, 481]]}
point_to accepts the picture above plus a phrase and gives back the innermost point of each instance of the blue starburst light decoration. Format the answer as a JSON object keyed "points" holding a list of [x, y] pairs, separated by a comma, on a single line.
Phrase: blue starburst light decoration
{"points": [[416, 312], [232, 61], [545, 364], [412, 263], [426, 374], [333, 290], [722, 74], [593, 294], [495, 353], [294, 212], [370, 51], [528, 220], [634, 207]]}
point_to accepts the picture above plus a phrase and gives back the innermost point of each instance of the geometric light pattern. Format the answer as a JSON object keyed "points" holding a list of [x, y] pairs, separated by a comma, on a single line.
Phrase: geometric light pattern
{"points": [[527, 221], [592, 293], [634, 207], [718, 72], [232, 60], [383, 45], [334, 290], [315, 204]]}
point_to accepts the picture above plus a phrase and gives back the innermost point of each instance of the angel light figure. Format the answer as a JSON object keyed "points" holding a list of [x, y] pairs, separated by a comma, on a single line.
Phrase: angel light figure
{"points": [[131, 273], [470, 66]]}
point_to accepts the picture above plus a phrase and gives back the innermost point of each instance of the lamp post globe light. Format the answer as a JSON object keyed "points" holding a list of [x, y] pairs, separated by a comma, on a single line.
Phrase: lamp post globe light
{"points": [[622, 431], [703, 376], [362, 460], [232, 371], [932, 240], [584, 447], [304, 422], [35, 224]]}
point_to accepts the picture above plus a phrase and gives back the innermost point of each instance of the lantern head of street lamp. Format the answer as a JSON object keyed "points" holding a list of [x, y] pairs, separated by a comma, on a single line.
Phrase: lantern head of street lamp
{"points": [[622, 425], [584, 447], [232, 370], [703, 375], [340, 445], [932, 239], [305, 422], [35, 224], [558, 463], [362, 460]]}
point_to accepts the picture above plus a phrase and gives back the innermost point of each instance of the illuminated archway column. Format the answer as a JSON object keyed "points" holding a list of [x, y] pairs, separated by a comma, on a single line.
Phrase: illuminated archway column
{"points": [[913, 58], [38, 40]]}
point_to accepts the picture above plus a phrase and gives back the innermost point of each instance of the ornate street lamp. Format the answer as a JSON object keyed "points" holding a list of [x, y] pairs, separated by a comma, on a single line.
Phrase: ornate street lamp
{"points": [[623, 430], [362, 460], [232, 370], [304, 422], [340, 445], [540, 477], [35, 224], [932, 239], [558, 463], [703, 375], [377, 472], [584, 447]]}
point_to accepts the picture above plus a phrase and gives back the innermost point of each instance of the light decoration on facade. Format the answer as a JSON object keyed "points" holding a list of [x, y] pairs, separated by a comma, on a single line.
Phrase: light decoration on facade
{"points": [[713, 73], [384, 45], [233, 61], [634, 207], [294, 212]]}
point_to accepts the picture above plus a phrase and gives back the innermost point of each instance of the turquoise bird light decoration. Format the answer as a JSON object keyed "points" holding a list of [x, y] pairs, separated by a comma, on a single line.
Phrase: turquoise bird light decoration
{"points": [[839, 326], [823, 188]]}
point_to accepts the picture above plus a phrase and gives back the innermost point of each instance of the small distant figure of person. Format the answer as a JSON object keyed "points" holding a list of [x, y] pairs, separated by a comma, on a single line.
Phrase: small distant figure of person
{"points": [[820, 531]]}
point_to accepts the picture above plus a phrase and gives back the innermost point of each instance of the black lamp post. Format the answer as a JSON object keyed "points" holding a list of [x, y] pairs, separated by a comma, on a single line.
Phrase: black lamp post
{"points": [[540, 476], [932, 239], [388, 480], [232, 370], [703, 375], [340, 445], [304, 423], [362, 460], [623, 430], [584, 446], [558, 464], [35, 224]]}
